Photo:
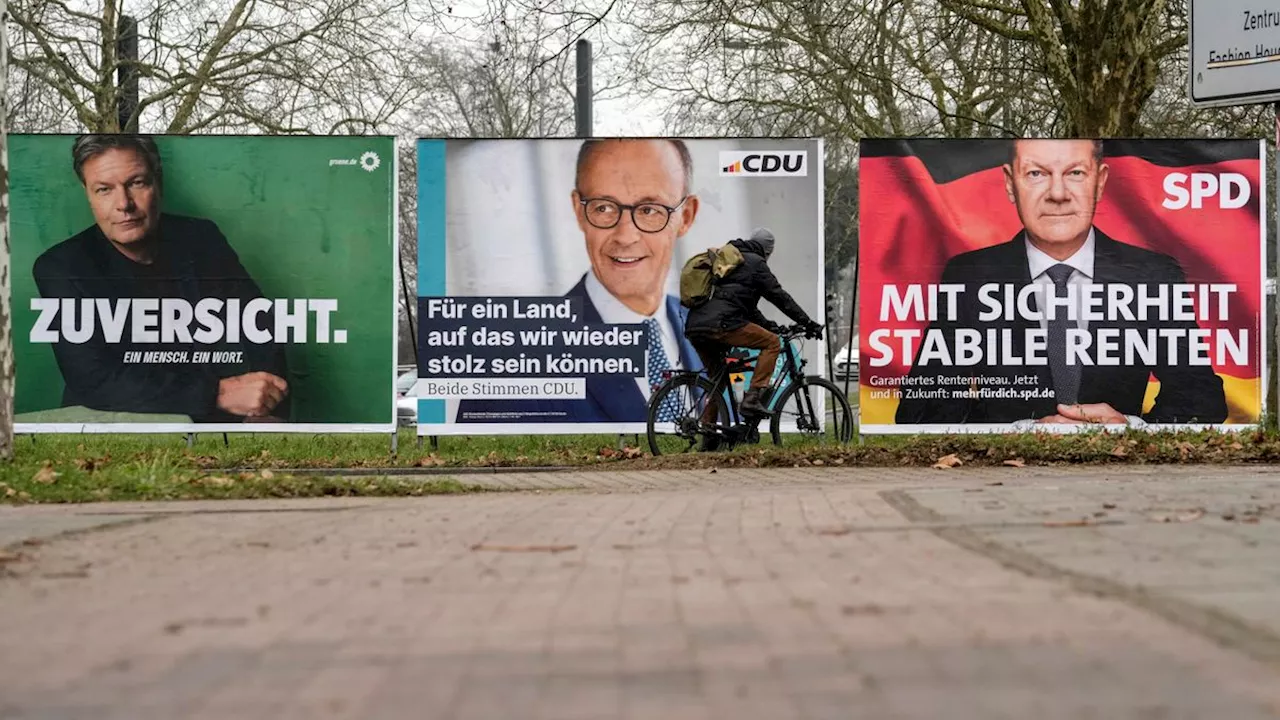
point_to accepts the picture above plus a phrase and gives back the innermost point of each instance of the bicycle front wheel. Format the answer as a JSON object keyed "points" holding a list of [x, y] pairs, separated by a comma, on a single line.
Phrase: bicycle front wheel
{"points": [[676, 410], [812, 412]]}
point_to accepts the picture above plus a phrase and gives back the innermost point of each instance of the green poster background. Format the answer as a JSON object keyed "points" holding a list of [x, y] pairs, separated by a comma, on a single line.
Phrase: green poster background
{"points": [[303, 228]]}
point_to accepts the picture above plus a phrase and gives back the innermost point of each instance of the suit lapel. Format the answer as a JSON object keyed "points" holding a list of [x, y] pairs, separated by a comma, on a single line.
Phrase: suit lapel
{"points": [[614, 398], [1018, 273]]}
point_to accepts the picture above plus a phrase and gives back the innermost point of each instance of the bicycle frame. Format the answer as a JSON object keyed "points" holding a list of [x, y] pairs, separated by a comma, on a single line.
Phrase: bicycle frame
{"points": [[792, 370]]}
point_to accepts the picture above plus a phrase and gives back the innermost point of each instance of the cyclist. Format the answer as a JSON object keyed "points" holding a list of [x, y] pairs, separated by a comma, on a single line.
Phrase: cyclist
{"points": [[730, 318]]}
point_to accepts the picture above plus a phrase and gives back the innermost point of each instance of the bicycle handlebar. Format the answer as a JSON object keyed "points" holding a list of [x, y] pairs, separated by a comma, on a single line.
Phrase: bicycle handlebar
{"points": [[794, 331]]}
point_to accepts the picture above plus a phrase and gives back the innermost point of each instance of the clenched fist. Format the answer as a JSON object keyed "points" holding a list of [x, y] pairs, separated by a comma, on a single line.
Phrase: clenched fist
{"points": [[253, 394]]}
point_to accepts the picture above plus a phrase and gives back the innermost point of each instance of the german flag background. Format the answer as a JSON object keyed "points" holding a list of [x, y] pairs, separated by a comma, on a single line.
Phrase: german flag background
{"points": [[924, 201]]}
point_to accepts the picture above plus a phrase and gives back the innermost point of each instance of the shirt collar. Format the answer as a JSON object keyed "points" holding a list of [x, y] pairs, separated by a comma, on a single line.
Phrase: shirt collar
{"points": [[1038, 262], [613, 312]]}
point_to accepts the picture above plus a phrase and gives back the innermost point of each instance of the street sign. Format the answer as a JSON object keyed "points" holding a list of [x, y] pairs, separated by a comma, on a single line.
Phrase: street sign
{"points": [[1235, 52]]}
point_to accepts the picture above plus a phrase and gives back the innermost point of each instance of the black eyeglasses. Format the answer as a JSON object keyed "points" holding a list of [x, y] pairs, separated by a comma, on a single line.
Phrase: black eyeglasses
{"points": [[647, 217]]}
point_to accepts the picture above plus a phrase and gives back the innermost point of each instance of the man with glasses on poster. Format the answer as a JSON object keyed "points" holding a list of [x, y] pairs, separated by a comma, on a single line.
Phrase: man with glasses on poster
{"points": [[633, 200]]}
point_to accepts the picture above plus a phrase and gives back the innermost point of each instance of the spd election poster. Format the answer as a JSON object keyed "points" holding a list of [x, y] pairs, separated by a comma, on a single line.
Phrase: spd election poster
{"points": [[1060, 284]]}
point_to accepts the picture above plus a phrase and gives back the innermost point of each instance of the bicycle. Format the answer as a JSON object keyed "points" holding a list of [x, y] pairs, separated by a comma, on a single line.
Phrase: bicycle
{"points": [[676, 408]]}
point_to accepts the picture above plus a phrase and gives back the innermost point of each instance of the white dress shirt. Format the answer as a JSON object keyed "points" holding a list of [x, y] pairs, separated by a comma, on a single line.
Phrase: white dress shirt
{"points": [[613, 312], [1081, 277]]}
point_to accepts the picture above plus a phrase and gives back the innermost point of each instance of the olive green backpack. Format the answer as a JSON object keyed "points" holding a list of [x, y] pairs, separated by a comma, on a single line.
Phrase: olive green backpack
{"points": [[703, 271]]}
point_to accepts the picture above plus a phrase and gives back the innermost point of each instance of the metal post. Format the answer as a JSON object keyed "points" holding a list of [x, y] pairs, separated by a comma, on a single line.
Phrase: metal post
{"points": [[395, 442], [853, 335], [191, 440], [1271, 401], [582, 100], [127, 73], [408, 306]]}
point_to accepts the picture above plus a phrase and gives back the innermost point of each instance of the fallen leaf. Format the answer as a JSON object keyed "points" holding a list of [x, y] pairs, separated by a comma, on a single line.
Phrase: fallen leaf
{"points": [[995, 482], [524, 548], [267, 474], [631, 453], [265, 454], [607, 452], [429, 461], [1236, 446], [818, 462], [7, 557], [1016, 462], [1191, 515], [45, 475], [1119, 450], [948, 461], [1082, 522], [1109, 506], [1228, 516], [835, 531], [220, 481], [713, 470]]}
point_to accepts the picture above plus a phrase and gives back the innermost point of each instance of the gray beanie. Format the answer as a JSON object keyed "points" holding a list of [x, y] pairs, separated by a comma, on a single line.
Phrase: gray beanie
{"points": [[765, 237]]}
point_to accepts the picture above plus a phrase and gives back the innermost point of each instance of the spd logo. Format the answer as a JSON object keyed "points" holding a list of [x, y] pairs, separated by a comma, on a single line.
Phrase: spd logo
{"points": [[758, 163]]}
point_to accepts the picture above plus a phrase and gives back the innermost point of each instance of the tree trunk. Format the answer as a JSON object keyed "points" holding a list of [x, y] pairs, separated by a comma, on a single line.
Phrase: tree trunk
{"points": [[6, 325]]}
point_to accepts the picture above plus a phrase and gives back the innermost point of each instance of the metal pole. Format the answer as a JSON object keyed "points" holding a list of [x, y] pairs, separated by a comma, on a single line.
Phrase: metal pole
{"points": [[127, 73], [408, 306], [582, 100], [853, 334], [1271, 401]]}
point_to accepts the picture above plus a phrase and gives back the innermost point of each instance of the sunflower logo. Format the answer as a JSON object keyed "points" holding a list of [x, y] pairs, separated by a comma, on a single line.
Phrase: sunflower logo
{"points": [[370, 161]]}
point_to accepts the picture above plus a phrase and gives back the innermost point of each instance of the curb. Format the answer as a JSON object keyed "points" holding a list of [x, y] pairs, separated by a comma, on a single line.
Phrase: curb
{"points": [[392, 470]]}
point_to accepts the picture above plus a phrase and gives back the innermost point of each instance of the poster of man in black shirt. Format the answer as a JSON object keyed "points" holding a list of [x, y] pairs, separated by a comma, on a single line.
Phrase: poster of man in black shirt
{"points": [[126, 288]]}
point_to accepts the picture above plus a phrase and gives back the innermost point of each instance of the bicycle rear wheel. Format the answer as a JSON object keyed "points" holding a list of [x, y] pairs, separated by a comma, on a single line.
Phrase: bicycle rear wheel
{"points": [[675, 413], [812, 412]]}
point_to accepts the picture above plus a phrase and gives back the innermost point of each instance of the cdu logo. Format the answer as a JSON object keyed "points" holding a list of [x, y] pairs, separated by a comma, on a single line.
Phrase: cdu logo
{"points": [[758, 163]]}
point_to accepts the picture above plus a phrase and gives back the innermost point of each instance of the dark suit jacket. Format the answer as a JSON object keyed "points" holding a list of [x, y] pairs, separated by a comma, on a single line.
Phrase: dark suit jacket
{"points": [[203, 265], [610, 398], [1187, 393]]}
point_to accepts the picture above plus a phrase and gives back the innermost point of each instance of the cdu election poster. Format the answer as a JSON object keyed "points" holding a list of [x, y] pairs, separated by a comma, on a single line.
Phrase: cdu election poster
{"points": [[548, 270], [219, 283], [1061, 284]]}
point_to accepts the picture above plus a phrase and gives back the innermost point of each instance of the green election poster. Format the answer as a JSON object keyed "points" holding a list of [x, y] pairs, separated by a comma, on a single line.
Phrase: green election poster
{"points": [[182, 283]]}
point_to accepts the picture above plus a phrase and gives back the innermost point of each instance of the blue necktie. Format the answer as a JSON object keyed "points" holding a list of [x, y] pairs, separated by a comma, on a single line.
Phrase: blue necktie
{"points": [[655, 366]]}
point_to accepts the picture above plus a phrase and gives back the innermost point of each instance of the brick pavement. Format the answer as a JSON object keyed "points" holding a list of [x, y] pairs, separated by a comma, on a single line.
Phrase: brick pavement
{"points": [[808, 593]]}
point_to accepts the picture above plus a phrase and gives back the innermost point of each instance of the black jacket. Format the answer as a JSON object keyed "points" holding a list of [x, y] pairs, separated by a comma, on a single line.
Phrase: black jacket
{"points": [[734, 299], [197, 262], [1188, 393]]}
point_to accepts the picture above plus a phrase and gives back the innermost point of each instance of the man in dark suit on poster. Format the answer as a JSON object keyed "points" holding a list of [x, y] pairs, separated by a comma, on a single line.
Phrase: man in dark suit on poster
{"points": [[135, 252], [633, 201], [1055, 186]]}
